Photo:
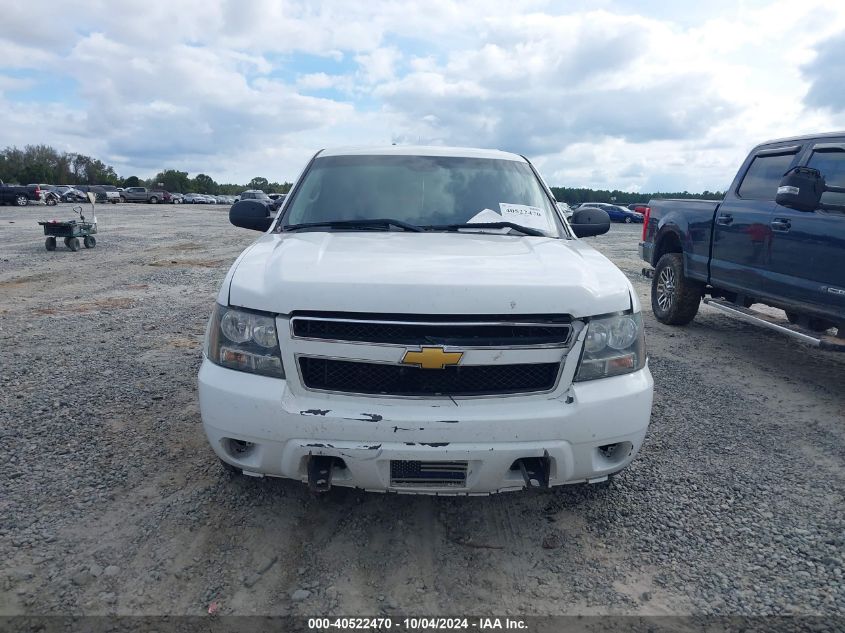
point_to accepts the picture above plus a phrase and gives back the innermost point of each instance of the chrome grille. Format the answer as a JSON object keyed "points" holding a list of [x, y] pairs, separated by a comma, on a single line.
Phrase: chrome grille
{"points": [[470, 333]]}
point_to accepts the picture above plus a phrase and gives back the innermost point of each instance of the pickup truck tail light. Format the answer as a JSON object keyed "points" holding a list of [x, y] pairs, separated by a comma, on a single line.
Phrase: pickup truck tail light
{"points": [[38, 193], [646, 217]]}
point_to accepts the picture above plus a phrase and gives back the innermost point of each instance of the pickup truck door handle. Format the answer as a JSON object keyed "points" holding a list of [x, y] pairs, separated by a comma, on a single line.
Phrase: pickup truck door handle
{"points": [[725, 219], [781, 224]]}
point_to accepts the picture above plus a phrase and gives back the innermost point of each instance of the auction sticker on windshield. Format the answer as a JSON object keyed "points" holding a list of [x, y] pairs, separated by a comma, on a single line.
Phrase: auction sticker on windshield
{"points": [[524, 215]]}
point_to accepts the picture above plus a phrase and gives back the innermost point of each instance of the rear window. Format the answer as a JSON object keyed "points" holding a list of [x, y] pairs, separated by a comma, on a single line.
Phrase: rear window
{"points": [[763, 177], [832, 166]]}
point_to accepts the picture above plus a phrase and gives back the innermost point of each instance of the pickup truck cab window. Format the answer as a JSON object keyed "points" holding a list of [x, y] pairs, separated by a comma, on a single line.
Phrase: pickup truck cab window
{"points": [[425, 191], [763, 175]]}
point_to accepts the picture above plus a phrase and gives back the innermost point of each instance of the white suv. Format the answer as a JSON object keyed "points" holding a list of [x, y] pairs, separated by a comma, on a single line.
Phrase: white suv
{"points": [[424, 320]]}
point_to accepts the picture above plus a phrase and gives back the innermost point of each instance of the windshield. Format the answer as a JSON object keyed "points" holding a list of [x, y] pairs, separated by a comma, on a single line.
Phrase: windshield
{"points": [[427, 191]]}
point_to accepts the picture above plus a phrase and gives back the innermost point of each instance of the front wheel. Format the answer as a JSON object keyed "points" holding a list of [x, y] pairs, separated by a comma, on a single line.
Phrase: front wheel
{"points": [[50, 243], [122, 199], [627, 220], [89, 241], [153, 200], [21, 200], [674, 297], [73, 244], [51, 201]]}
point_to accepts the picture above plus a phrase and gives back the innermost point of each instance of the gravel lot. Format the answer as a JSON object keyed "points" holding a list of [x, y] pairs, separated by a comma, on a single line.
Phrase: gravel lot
{"points": [[113, 502]]}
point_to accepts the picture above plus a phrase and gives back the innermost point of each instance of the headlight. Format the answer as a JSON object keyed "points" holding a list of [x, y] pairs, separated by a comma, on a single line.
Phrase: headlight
{"points": [[245, 341], [613, 346]]}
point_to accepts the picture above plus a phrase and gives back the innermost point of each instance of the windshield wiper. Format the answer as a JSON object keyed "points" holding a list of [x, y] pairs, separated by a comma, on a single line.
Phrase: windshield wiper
{"points": [[352, 224], [488, 225]]}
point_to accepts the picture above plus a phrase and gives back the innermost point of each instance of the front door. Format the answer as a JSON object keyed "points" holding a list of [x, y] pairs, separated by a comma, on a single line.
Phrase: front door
{"points": [[808, 248], [742, 235]]}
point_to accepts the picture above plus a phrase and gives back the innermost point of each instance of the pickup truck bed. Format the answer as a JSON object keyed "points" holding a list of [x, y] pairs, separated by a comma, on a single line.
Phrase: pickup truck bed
{"points": [[19, 195]]}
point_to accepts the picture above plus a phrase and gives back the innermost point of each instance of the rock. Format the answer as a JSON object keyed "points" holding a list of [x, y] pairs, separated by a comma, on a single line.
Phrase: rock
{"points": [[250, 580], [300, 594], [96, 570], [267, 564], [111, 571]]}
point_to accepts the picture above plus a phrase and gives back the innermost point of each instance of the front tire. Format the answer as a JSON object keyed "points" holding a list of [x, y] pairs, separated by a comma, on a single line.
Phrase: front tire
{"points": [[674, 298], [122, 199], [89, 241], [50, 243], [153, 200], [51, 201], [21, 200], [73, 244], [627, 220]]}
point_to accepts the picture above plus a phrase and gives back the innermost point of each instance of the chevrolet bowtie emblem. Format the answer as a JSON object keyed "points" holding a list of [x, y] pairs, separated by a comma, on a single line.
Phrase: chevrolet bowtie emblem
{"points": [[431, 358]]}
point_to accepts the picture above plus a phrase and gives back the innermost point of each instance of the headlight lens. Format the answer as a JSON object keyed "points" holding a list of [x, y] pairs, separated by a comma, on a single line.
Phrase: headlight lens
{"points": [[613, 346], [246, 341]]}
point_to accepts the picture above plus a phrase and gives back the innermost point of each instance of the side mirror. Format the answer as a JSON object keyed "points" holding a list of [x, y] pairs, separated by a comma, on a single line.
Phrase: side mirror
{"points": [[251, 214], [590, 221], [801, 188]]}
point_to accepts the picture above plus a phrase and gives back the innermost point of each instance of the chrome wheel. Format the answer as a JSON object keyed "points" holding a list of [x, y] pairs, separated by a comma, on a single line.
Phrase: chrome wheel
{"points": [[665, 288]]}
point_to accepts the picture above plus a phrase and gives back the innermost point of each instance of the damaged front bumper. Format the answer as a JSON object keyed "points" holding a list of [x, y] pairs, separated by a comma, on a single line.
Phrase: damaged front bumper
{"points": [[471, 446]]}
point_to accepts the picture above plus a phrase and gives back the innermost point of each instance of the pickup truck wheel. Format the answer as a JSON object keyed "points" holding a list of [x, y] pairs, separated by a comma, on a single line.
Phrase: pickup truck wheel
{"points": [[50, 243], [51, 201], [21, 200], [122, 199], [153, 200], [674, 298]]}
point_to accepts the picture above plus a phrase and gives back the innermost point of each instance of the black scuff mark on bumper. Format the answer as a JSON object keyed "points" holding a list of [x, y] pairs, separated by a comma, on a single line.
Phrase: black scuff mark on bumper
{"points": [[371, 417], [447, 421], [319, 446], [402, 428], [434, 444], [315, 412]]}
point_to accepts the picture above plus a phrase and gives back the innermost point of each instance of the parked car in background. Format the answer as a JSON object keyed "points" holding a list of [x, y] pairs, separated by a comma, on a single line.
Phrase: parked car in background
{"points": [[565, 209], [67, 193], [276, 196], [254, 194], [175, 198], [616, 212], [102, 193], [142, 194], [19, 195], [638, 207], [209, 199], [777, 238], [191, 198], [225, 199]]}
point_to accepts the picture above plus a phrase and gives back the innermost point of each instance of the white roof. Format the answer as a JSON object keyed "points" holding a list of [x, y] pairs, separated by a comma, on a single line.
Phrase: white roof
{"points": [[422, 150]]}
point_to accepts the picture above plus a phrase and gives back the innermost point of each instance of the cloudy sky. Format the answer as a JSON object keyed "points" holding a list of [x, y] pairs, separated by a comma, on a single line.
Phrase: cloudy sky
{"points": [[639, 95]]}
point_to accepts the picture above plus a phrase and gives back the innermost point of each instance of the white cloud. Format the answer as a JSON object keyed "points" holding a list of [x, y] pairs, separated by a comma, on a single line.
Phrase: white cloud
{"points": [[604, 98]]}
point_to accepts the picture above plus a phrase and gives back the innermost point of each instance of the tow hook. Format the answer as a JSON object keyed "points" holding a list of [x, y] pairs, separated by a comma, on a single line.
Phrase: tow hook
{"points": [[535, 470], [648, 273], [320, 473]]}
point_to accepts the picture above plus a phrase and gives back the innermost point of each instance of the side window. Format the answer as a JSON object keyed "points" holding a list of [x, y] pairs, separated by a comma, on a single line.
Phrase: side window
{"points": [[763, 177], [832, 166]]}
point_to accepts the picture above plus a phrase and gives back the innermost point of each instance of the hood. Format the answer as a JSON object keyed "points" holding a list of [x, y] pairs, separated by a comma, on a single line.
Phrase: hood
{"points": [[428, 273]]}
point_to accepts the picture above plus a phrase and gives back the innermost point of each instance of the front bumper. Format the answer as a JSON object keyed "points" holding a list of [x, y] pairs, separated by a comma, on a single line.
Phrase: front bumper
{"points": [[489, 434]]}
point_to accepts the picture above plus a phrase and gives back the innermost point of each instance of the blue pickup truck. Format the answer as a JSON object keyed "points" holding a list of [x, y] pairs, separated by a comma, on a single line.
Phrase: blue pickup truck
{"points": [[777, 238]]}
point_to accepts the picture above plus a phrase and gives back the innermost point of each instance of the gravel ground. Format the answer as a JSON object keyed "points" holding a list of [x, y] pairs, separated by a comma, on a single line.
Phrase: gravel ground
{"points": [[112, 501]]}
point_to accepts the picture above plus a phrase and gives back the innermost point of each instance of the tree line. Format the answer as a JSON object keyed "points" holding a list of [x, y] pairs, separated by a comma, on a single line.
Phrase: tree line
{"points": [[577, 195], [44, 164]]}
